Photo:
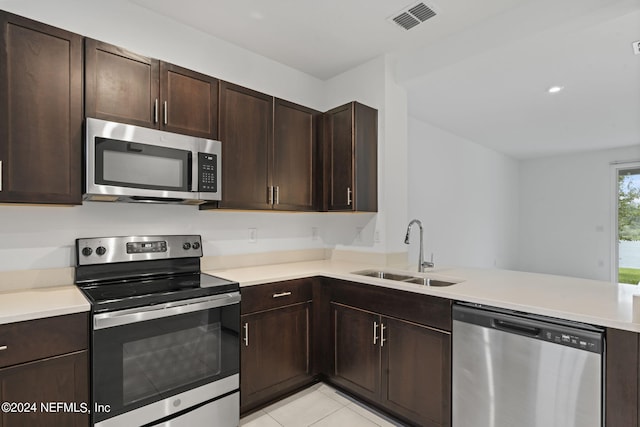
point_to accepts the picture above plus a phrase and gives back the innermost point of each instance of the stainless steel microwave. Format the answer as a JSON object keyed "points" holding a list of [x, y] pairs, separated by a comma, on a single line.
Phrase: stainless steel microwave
{"points": [[134, 164]]}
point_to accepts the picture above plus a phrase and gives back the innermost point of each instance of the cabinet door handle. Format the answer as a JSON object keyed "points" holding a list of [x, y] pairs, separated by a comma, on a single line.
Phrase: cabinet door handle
{"points": [[246, 334], [382, 338], [282, 294], [3, 347], [375, 333], [155, 111], [166, 113], [349, 192], [0, 175], [270, 195], [277, 194]]}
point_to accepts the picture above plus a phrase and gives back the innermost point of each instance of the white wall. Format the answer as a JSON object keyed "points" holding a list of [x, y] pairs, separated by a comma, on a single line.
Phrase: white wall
{"points": [[373, 84], [566, 209], [466, 197]]}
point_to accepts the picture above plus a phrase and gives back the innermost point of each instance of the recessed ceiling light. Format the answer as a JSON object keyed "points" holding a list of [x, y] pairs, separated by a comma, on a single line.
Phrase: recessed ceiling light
{"points": [[555, 89]]}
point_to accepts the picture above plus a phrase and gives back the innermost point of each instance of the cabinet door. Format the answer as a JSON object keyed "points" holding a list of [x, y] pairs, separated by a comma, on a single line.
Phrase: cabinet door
{"points": [[246, 132], [57, 379], [189, 102], [294, 156], [365, 175], [356, 350], [338, 131], [120, 85], [40, 113], [417, 361], [275, 353]]}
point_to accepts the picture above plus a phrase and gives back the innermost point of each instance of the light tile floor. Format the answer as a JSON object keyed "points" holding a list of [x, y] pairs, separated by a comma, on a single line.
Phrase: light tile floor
{"points": [[318, 406]]}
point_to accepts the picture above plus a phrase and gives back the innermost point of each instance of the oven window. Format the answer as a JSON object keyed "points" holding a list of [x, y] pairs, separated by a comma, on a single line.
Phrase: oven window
{"points": [[165, 362], [144, 362]]}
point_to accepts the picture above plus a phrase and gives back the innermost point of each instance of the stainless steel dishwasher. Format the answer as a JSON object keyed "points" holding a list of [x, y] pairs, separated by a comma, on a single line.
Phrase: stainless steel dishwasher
{"points": [[512, 369]]}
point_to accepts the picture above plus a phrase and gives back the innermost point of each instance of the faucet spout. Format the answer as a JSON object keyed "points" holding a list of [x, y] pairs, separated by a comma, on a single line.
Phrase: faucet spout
{"points": [[421, 263]]}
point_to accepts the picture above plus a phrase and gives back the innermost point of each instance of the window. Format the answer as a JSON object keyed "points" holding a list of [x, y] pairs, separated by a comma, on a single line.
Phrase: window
{"points": [[627, 220]]}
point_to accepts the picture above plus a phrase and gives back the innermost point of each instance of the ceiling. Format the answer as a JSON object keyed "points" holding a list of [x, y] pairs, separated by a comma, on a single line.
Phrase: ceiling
{"points": [[479, 70]]}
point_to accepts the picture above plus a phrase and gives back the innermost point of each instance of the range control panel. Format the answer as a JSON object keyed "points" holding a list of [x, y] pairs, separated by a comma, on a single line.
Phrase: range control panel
{"points": [[105, 250]]}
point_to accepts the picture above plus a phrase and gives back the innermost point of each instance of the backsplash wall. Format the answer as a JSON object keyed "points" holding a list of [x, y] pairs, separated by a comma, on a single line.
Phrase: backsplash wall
{"points": [[40, 237]]}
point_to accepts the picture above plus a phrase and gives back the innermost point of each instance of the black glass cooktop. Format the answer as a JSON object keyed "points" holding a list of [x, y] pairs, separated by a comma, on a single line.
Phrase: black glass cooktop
{"points": [[121, 294]]}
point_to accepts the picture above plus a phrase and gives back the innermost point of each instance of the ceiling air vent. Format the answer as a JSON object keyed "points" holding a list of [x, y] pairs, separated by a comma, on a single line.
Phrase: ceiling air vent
{"points": [[413, 15]]}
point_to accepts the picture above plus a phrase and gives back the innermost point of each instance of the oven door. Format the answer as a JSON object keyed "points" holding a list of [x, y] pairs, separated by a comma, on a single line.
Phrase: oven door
{"points": [[152, 362]]}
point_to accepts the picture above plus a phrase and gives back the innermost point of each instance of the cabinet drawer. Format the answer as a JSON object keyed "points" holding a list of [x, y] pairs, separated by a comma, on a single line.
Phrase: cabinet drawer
{"points": [[422, 309], [274, 295], [41, 338]]}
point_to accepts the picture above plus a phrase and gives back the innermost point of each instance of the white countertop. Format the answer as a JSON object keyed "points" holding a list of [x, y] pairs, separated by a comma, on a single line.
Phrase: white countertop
{"points": [[36, 303], [590, 301], [582, 300]]}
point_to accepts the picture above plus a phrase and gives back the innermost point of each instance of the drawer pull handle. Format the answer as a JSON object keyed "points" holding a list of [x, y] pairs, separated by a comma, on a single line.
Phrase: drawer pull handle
{"points": [[3, 347], [282, 294], [246, 334]]}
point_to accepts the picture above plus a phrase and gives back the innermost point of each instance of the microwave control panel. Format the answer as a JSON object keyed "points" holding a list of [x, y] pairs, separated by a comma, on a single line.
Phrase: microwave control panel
{"points": [[208, 172]]}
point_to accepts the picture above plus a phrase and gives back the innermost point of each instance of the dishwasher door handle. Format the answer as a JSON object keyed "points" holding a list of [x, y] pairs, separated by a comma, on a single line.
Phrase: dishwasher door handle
{"points": [[515, 327]]}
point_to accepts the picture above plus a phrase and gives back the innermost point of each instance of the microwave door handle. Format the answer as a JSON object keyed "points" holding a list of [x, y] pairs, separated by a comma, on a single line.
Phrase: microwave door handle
{"points": [[142, 314], [194, 167]]}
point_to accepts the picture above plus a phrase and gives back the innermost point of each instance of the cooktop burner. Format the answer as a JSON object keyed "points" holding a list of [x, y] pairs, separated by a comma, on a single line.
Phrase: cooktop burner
{"points": [[115, 273], [137, 293]]}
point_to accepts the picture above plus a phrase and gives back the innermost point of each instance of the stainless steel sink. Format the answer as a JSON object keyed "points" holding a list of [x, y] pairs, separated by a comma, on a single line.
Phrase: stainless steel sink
{"points": [[425, 281], [383, 275], [428, 282]]}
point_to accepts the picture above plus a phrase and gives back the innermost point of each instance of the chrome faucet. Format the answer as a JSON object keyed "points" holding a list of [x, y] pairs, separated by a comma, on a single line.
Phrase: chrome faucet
{"points": [[421, 262]]}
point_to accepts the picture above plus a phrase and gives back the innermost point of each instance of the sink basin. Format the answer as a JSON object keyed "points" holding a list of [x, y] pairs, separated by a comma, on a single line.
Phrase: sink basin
{"points": [[428, 282], [384, 275], [418, 280]]}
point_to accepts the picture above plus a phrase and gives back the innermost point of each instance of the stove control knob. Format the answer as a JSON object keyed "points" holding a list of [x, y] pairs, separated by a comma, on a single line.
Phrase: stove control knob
{"points": [[186, 246], [87, 251], [195, 245], [101, 250]]}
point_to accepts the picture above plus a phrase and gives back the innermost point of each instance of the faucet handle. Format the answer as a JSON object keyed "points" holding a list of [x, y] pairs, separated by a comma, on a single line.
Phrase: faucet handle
{"points": [[428, 264]]}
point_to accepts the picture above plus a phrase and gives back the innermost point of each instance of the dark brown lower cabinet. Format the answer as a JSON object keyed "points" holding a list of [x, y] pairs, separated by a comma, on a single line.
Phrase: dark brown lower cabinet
{"points": [[622, 399], [275, 354], [46, 382], [356, 344], [417, 362], [401, 366]]}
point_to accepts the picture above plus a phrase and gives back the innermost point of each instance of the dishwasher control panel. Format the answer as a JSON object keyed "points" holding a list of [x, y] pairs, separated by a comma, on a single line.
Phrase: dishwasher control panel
{"points": [[572, 340]]}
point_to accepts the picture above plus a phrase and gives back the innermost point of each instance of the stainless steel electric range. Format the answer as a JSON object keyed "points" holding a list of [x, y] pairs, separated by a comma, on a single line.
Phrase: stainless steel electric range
{"points": [[165, 337]]}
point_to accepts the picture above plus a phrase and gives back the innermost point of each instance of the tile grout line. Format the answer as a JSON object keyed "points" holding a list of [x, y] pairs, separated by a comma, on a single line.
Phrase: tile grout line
{"points": [[328, 415]]}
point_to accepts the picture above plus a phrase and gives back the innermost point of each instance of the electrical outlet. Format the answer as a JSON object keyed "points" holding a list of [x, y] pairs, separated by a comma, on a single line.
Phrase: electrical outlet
{"points": [[376, 236], [315, 232], [636, 47], [253, 235], [359, 234]]}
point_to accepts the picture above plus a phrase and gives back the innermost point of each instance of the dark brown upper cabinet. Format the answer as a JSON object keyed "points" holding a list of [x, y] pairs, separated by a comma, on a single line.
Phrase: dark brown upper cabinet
{"points": [[129, 88], [246, 132], [40, 113], [294, 169], [269, 151], [351, 158]]}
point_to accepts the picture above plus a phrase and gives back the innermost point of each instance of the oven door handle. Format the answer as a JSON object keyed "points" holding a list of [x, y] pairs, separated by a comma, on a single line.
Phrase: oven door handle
{"points": [[142, 314]]}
